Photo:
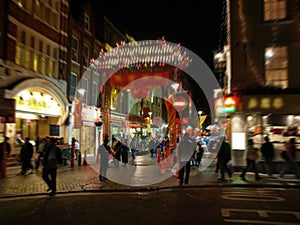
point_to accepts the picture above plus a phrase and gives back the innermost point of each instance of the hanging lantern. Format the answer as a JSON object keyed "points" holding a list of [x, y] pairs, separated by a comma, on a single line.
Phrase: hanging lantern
{"points": [[139, 92]]}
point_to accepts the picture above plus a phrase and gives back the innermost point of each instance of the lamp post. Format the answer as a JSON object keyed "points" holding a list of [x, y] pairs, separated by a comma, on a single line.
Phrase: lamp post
{"points": [[200, 126]]}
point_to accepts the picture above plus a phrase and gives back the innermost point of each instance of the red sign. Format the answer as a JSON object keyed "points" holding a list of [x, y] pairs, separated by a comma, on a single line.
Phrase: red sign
{"points": [[8, 110], [179, 103]]}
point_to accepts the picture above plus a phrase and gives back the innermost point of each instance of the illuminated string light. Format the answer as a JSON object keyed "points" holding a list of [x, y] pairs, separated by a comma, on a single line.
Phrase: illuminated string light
{"points": [[144, 54]]}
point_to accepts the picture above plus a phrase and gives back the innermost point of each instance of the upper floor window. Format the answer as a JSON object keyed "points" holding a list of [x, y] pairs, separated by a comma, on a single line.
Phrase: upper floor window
{"points": [[274, 10], [86, 55], [74, 49], [73, 84], [85, 88], [86, 22], [276, 66]]}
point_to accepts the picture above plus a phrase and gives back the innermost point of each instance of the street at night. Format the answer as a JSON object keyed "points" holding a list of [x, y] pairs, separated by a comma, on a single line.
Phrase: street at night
{"points": [[163, 113], [211, 205]]}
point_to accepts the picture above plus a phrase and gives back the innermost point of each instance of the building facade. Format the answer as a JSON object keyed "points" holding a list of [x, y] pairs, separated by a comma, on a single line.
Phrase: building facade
{"points": [[33, 59], [261, 71]]}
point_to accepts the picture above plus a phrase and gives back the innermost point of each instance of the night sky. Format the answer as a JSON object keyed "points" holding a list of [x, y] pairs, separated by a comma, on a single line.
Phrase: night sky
{"points": [[196, 25]]}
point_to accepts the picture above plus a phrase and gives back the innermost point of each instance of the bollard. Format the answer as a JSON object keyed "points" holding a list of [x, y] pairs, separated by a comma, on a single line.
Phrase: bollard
{"points": [[158, 155], [84, 158], [79, 158]]}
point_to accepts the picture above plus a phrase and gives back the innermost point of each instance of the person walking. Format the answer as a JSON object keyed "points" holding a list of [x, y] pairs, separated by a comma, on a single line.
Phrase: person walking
{"points": [[186, 148], [267, 150], [251, 157], [52, 158], [151, 147], [224, 156], [117, 152], [4, 146], [289, 160], [124, 152], [104, 153], [133, 147], [40, 152], [26, 154]]}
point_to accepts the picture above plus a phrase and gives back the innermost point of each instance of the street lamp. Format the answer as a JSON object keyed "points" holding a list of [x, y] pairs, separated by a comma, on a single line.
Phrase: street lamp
{"points": [[200, 113]]}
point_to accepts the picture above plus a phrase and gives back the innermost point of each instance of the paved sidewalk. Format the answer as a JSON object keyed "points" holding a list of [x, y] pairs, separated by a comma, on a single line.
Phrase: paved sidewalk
{"points": [[85, 179]]}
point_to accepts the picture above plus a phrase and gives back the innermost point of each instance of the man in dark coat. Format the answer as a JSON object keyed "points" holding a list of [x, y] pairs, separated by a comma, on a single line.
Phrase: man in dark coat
{"points": [[267, 150], [25, 156], [224, 156], [52, 158], [4, 146], [186, 149]]}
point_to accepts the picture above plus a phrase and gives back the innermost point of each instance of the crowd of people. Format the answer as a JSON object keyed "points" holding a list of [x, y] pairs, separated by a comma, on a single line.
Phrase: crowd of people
{"points": [[120, 150]]}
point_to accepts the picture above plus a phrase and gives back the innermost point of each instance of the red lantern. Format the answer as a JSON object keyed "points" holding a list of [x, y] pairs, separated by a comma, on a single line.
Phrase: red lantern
{"points": [[139, 92]]}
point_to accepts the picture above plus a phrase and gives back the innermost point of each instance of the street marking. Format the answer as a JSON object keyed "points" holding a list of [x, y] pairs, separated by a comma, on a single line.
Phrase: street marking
{"points": [[259, 222], [262, 213], [258, 195]]}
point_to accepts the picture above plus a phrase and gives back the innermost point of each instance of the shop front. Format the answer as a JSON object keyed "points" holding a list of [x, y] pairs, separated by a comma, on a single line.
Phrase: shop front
{"points": [[40, 110], [276, 116], [84, 127], [118, 125]]}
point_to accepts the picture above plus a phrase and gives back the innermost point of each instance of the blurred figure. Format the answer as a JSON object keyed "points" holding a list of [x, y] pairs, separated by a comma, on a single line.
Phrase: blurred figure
{"points": [[133, 147], [104, 152], [4, 145], [185, 146], [267, 150], [26, 154], [124, 152], [117, 152], [151, 147], [224, 156], [289, 161], [51, 159], [40, 152], [199, 151], [251, 158]]}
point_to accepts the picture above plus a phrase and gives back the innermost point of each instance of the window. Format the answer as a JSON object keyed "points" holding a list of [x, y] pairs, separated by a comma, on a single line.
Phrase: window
{"points": [[86, 55], [85, 88], [274, 10], [73, 84], [276, 66], [74, 49], [94, 93], [86, 22]]}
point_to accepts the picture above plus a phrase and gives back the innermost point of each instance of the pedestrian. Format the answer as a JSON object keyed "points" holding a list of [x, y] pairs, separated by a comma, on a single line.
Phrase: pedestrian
{"points": [[185, 153], [151, 147], [51, 159], [4, 145], [290, 160], [26, 154], [77, 148], [37, 143], [117, 152], [224, 156], [251, 157], [104, 153], [40, 152], [199, 152], [124, 152], [133, 147], [267, 150]]}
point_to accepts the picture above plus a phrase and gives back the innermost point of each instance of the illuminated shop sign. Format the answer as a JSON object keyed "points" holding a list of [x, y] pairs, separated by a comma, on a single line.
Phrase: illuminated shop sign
{"points": [[38, 102], [229, 105]]}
